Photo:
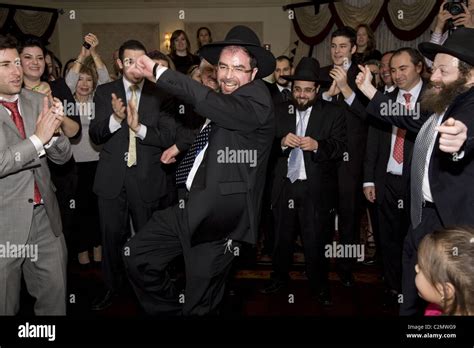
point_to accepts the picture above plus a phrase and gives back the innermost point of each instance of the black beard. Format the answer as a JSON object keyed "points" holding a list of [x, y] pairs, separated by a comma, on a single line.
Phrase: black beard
{"points": [[432, 101], [306, 106], [283, 85]]}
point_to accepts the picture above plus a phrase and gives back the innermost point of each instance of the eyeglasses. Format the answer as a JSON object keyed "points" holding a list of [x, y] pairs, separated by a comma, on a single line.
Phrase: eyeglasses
{"points": [[237, 69], [305, 90]]}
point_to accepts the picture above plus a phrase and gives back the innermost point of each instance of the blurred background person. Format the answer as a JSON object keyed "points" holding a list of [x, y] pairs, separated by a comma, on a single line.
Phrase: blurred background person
{"points": [[366, 45], [204, 37], [181, 54]]}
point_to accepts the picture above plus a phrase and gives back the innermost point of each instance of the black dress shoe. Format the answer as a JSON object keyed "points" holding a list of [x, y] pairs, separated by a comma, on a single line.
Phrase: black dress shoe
{"points": [[347, 279], [103, 302], [273, 287]]}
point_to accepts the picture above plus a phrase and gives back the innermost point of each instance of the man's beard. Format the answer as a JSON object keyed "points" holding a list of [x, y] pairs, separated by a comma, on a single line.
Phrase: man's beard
{"points": [[306, 106], [433, 101]]}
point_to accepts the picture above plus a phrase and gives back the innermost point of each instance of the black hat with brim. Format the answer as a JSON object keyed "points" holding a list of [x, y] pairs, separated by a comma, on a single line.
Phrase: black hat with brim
{"points": [[459, 44], [307, 70], [242, 36]]}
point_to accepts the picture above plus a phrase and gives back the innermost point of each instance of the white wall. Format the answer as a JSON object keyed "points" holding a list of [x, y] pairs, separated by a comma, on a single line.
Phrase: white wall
{"points": [[276, 25]]}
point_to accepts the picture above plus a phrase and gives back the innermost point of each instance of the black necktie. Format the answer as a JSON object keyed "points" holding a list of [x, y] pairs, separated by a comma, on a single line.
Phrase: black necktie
{"points": [[187, 163], [286, 94]]}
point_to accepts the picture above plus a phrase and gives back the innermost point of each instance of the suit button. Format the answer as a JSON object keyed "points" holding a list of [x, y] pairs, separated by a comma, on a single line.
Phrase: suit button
{"points": [[30, 200]]}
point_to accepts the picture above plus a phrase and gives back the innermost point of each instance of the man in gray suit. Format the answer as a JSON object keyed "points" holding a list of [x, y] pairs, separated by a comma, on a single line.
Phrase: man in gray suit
{"points": [[31, 239]]}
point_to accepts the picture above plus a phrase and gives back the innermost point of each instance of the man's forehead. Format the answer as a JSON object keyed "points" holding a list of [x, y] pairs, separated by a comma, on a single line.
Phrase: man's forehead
{"points": [[282, 63], [235, 56], [133, 53], [446, 59], [340, 40], [9, 54]]}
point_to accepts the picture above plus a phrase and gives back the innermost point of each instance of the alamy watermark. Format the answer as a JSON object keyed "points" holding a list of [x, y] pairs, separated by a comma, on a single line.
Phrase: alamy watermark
{"points": [[20, 251], [394, 108], [335, 250], [237, 156]]}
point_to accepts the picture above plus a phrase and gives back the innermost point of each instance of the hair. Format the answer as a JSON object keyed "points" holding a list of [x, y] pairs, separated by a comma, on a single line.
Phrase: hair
{"points": [[233, 49], [192, 69], [447, 256], [371, 43], [387, 52], [158, 55], [415, 55], [89, 69], [283, 57], [35, 41], [174, 36], [72, 60], [372, 62], [348, 32], [197, 35], [464, 69], [8, 41], [57, 65], [131, 45]]}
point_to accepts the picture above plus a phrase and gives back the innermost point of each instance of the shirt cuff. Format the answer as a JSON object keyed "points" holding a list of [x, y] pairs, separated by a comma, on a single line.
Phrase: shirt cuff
{"points": [[141, 132], [326, 97], [113, 124], [351, 98], [459, 155], [283, 148], [38, 145], [368, 184], [159, 71]]}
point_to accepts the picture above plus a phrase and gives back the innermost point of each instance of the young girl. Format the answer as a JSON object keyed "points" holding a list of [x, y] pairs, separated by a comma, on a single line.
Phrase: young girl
{"points": [[445, 270]]}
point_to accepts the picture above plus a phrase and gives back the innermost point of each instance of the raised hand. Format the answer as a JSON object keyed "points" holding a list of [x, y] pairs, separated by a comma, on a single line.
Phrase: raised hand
{"points": [[364, 82], [119, 108], [132, 116], [49, 120]]}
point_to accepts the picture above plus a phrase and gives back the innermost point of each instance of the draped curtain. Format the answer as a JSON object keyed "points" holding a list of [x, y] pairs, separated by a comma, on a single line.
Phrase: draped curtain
{"points": [[19, 22], [396, 23]]}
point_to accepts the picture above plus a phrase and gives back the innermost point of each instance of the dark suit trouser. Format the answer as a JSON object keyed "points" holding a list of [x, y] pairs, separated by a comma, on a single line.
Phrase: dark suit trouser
{"points": [[295, 207], [393, 221], [430, 221], [207, 265], [115, 226], [87, 227], [349, 207]]}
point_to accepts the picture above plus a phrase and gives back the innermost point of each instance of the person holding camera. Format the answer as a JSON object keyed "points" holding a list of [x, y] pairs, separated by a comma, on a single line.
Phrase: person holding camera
{"points": [[452, 14]]}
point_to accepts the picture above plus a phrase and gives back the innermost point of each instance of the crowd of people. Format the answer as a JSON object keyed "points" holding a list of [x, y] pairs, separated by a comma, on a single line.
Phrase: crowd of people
{"points": [[127, 167]]}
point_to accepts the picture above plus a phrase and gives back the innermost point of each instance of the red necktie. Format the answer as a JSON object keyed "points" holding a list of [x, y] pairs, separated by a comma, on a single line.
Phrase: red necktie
{"points": [[18, 120], [400, 140]]}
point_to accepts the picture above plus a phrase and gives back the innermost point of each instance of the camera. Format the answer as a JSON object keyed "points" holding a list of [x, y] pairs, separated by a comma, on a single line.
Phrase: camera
{"points": [[454, 7], [86, 45]]}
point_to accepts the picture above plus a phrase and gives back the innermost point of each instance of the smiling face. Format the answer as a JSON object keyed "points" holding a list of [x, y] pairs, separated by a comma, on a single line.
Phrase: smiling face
{"points": [[11, 73], [208, 75], [385, 74], [445, 71], [85, 85], [304, 93], [180, 43], [341, 50], [33, 62], [233, 69], [362, 37], [404, 73]]}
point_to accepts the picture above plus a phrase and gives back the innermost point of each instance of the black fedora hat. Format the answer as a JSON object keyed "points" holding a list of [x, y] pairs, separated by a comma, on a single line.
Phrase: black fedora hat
{"points": [[307, 70], [459, 44], [241, 35]]}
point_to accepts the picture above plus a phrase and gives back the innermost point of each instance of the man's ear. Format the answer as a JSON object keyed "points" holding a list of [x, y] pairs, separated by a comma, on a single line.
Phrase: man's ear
{"points": [[119, 63], [353, 49], [254, 73]]}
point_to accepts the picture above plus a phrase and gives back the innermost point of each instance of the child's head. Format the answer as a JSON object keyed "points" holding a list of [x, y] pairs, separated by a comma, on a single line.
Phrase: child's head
{"points": [[445, 270]]}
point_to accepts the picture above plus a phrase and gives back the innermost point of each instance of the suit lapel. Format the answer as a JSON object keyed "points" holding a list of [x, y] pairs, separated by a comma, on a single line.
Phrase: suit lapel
{"points": [[27, 113], [313, 119], [9, 121]]}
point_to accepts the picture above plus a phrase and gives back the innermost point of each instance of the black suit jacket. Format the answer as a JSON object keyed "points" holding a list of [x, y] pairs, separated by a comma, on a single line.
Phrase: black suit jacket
{"points": [[154, 112], [327, 126], [450, 179], [377, 154], [356, 119], [275, 93], [225, 197]]}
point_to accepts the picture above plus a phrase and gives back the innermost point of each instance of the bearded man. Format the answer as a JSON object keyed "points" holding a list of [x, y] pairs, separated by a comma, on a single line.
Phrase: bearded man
{"points": [[312, 136], [441, 187]]}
